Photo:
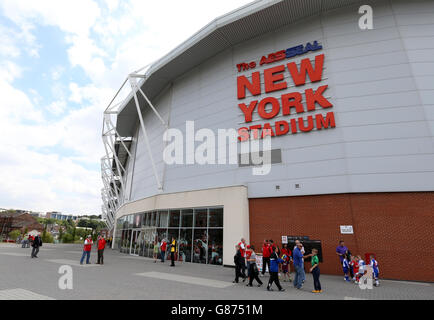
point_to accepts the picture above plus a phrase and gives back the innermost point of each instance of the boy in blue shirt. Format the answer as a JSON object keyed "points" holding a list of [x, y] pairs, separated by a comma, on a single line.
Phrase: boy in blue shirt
{"points": [[376, 271], [274, 269], [346, 269]]}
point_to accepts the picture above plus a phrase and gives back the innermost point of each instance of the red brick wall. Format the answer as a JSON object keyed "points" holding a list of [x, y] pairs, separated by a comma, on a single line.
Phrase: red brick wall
{"points": [[397, 227]]}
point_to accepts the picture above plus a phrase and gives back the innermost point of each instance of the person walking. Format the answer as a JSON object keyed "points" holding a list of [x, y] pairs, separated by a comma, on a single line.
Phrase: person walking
{"points": [[101, 246], [173, 250], [28, 241], [86, 249], [286, 267], [156, 250], [163, 248], [238, 258], [274, 271], [253, 268], [266, 253], [36, 243], [248, 254], [243, 248], [298, 259], [315, 271]]}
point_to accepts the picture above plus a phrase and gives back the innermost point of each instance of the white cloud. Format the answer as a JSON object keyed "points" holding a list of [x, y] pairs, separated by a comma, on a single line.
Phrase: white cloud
{"points": [[57, 107], [76, 17], [44, 180], [107, 39]]}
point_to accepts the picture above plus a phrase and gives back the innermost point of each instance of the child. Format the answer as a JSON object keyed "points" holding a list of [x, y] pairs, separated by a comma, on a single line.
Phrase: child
{"points": [[274, 269], [361, 269], [374, 266], [285, 269], [346, 268], [156, 250], [349, 257], [315, 271], [354, 267]]}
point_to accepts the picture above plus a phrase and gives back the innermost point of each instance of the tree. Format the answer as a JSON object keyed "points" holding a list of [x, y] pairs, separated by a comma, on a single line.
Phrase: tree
{"points": [[60, 233], [47, 237], [14, 234], [67, 238]]}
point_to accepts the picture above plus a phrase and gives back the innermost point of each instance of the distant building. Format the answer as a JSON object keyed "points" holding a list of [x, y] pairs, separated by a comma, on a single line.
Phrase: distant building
{"points": [[60, 216], [16, 220], [37, 214]]}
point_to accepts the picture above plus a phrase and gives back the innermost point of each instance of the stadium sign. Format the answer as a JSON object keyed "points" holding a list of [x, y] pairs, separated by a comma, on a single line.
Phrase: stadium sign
{"points": [[279, 78]]}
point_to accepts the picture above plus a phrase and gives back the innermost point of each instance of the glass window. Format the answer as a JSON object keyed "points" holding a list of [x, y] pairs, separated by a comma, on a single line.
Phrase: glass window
{"points": [[215, 218], [153, 219], [157, 220], [187, 218], [150, 236], [163, 218], [199, 233], [142, 244], [174, 219], [200, 246], [200, 218], [138, 220], [162, 234], [130, 220], [120, 223], [148, 219], [215, 246], [184, 242]]}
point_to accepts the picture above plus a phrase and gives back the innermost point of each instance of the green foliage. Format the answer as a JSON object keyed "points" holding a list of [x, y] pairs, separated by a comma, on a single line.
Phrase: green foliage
{"points": [[70, 234], [14, 234], [67, 238], [61, 234], [47, 237], [94, 224]]}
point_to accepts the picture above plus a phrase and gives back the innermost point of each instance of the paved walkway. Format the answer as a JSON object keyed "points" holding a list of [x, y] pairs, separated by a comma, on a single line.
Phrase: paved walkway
{"points": [[129, 277]]}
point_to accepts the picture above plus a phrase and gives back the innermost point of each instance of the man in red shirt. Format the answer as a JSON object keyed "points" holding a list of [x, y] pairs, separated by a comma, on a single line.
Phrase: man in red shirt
{"points": [[266, 253], [163, 248], [86, 249], [101, 245], [243, 248]]}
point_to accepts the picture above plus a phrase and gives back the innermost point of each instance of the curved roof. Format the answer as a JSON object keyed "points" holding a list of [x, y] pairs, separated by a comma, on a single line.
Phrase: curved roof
{"points": [[247, 22]]}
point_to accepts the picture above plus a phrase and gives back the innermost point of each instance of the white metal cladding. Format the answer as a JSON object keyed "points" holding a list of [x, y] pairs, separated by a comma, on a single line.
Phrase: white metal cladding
{"points": [[381, 83], [242, 24]]}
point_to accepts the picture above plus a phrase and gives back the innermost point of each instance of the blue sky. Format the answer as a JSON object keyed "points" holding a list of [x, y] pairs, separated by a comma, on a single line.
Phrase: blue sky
{"points": [[60, 64]]}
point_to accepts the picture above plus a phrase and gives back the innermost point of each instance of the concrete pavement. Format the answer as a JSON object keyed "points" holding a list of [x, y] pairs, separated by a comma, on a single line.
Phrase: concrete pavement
{"points": [[129, 277]]}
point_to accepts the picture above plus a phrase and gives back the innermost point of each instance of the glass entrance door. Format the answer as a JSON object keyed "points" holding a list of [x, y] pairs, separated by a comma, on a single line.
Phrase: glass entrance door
{"points": [[135, 246]]}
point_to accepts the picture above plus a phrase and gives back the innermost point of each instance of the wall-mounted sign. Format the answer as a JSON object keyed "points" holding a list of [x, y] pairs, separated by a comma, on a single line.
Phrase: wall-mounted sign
{"points": [[347, 230], [278, 78], [280, 55], [284, 239]]}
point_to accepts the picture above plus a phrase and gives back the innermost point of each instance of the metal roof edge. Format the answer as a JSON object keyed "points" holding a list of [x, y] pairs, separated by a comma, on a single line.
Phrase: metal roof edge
{"points": [[205, 31]]}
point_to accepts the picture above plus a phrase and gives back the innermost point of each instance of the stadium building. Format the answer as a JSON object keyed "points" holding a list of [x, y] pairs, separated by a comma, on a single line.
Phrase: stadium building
{"points": [[349, 113]]}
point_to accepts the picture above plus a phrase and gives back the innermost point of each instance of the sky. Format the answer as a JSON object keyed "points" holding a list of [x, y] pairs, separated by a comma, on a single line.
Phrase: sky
{"points": [[61, 62]]}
